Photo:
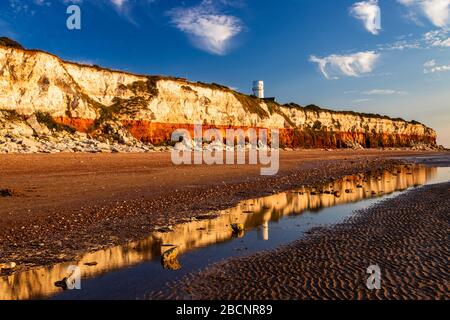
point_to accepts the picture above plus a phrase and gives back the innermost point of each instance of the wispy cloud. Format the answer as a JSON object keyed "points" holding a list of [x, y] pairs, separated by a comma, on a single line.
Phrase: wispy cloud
{"points": [[402, 45], [23, 6], [353, 65], [383, 92], [207, 28], [42, 2], [361, 100], [432, 67], [369, 13], [18, 6], [438, 38], [436, 11], [119, 4]]}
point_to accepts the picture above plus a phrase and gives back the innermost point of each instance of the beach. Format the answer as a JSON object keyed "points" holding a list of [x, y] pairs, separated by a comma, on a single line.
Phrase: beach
{"points": [[406, 236], [61, 206]]}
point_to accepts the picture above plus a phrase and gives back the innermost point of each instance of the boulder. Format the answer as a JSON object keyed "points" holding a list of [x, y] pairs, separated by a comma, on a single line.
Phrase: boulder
{"points": [[237, 227], [8, 266], [169, 259], [38, 128]]}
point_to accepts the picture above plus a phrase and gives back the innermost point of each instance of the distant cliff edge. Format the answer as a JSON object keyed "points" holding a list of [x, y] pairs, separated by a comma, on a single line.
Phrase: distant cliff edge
{"points": [[42, 95]]}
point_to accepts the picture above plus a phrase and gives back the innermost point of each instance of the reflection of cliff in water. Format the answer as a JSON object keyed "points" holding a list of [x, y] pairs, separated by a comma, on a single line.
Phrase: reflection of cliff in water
{"points": [[39, 282]]}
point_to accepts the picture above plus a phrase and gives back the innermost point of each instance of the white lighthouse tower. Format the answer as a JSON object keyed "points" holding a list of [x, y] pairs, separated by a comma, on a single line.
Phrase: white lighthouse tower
{"points": [[258, 88]]}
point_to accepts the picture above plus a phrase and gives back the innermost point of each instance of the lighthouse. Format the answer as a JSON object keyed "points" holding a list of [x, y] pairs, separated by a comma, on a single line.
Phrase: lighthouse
{"points": [[258, 89]]}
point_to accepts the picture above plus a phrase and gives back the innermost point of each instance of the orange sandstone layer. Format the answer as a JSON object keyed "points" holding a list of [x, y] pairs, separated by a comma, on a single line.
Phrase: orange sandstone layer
{"points": [[159, 133]]}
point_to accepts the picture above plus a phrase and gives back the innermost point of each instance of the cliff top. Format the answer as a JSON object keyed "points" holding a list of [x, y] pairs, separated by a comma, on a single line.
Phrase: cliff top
{"points": [[7, 42], [249, 101]]}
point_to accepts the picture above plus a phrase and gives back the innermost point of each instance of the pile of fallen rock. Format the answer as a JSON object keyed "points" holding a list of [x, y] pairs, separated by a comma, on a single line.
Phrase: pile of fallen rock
{"points": [[426, 147], [18, 135], [353, 145], [30, 136]]}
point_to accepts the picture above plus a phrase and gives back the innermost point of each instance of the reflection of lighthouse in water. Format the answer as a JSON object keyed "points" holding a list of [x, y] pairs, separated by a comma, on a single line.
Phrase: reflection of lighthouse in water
{"points": [[263, 231]]}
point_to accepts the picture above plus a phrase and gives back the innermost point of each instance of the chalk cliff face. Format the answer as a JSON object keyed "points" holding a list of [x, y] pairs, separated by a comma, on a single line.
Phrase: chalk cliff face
{"points": [[151, 107]]}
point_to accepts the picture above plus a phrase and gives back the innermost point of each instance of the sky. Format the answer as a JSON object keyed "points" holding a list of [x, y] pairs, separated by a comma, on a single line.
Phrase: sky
{"points": [[389, 57]]}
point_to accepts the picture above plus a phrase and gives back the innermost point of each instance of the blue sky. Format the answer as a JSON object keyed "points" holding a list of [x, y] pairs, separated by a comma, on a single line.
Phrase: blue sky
{"points": [[387, 56]]}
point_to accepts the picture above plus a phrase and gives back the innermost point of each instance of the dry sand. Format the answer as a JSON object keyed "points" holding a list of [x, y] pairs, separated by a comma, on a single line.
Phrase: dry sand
{"points": [[407, 236]]}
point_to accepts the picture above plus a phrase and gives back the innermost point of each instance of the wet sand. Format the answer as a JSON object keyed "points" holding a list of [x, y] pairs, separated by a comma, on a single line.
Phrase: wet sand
{"points": [[61, 206], [406, 236]]}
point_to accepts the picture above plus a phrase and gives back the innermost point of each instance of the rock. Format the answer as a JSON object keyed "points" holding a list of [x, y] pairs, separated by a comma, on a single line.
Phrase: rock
{"points": [[104, 147], [8, 266], [216, 145], [60, 147], [118, 133], [6, 192], [61, 284], [169, 259], [171, 264], [165, 229], [181, 146], [170, 254], [19, 130], [348, 191], [337, 194], [238, 229], [38, 128]]}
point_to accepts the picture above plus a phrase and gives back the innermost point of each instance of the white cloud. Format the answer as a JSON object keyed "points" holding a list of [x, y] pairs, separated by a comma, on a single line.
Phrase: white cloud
{"points": [[18, 6], [432, 67], [47, 3], [208, 29], [433, 39], [383, 92], [24, 5], [401, 45], [353, 65], [369, 13], [430, 64], [437, 11], [118, 3], [438, 38]]}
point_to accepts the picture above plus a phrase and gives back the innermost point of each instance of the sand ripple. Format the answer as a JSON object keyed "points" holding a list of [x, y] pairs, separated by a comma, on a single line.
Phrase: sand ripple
{"points": [[407, 236]]}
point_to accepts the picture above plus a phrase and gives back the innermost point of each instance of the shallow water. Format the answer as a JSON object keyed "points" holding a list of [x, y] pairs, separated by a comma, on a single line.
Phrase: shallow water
{"points": [[135, 270]]}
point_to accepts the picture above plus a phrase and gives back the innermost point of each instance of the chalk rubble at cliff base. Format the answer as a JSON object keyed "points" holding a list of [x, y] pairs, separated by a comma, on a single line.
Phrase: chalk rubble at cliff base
{"points": [[28, 135]]}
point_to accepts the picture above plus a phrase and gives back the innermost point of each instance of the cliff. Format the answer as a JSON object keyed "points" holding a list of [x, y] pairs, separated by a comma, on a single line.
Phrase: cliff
{"points": [[66, 96]]}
